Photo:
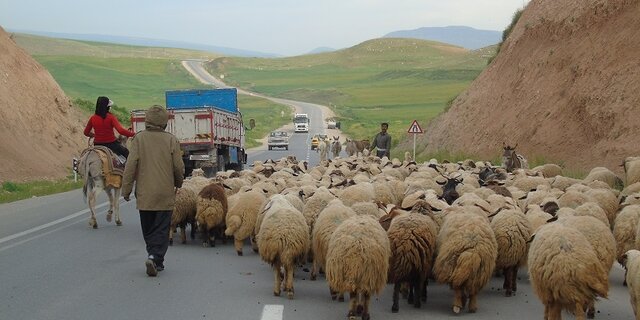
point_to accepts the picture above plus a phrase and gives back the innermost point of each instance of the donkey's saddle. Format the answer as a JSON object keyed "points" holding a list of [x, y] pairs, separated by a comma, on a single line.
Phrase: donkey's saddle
{"points": [[112, 166]]}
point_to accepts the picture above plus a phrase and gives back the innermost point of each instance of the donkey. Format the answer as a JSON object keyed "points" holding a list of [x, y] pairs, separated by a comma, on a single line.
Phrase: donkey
{"points": [[511, 160], [91, 170], [336, 147], [357, 147], [323, 148]]}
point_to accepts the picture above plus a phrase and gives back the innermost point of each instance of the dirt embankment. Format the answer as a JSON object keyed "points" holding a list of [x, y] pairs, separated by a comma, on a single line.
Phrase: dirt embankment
{"points": [[565, 87], [40, 131]]}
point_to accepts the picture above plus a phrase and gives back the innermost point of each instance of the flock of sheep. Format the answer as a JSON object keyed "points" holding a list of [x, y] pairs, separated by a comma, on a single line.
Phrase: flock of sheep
{"points": [[367, 221]]}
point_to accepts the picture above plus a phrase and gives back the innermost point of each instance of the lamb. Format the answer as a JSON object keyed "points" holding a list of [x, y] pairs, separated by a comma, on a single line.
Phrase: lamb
{"points": [[328, 221], [512, 231], [184, 212], [466, 256], [549, 170], [242, 216], [631, 260], [358, 262], [412, 238], [283, 240], [211, 213], [564, 270]]}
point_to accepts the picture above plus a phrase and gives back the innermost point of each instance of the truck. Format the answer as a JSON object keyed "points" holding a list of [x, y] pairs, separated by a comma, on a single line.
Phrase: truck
{"points": [[301, 122], [209, 126]]}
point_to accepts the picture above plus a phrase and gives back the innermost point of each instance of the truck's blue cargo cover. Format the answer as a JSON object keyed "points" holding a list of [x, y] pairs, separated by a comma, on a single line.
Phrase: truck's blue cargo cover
{"points": [[225, 99]]}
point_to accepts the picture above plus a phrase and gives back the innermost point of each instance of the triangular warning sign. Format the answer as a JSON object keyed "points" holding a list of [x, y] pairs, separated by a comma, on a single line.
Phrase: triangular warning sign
{"points": [[415, 127]]}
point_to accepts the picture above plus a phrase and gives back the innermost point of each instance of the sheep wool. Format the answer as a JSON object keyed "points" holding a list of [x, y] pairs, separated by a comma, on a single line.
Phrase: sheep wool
{"points": [[512, 231], [413, 240], [211, 212], [328, 221], [283, 240], [184, 212], [242, 216], [564, 270], [624, 230], [466, 256], [632, 264], [358, 260]]}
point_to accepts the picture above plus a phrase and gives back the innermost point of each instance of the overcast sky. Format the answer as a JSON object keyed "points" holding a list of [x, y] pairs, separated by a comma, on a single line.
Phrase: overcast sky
{"points": [[287, 27]]}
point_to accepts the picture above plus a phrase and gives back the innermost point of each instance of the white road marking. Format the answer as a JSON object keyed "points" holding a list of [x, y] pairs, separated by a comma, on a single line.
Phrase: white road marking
{"points": [[272, 312], [52, 223]]}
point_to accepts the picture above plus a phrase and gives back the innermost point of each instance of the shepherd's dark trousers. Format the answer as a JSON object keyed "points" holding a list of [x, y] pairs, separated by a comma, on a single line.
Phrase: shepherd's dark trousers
{"points": [[155, 230]]}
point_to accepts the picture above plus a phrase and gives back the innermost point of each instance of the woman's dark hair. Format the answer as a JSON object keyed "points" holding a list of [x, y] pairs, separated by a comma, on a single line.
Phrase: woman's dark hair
{"points": [[102, 106]]}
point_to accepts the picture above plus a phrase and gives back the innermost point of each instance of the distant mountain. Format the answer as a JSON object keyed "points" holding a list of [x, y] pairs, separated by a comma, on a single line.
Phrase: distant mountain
{"points": [[321, 50], [150, 43], [465, 37]]}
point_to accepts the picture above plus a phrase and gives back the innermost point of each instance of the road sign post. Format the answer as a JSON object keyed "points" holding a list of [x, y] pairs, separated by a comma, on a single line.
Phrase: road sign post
{"points": [[415, 129]]}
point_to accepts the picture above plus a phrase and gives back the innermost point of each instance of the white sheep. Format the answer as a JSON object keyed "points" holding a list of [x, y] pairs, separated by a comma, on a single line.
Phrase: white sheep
{"points": [[624, 230], [631, 262], [242, 216], [466, 255], [358, 261], [283, 240], [564, 270]]}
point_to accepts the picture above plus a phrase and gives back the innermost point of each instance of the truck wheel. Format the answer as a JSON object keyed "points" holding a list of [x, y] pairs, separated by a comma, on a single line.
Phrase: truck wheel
{"points": [[286, 148]]}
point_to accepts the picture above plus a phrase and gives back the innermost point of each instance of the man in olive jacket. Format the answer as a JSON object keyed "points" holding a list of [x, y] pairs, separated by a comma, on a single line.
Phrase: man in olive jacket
{"points": [[155, 164]]}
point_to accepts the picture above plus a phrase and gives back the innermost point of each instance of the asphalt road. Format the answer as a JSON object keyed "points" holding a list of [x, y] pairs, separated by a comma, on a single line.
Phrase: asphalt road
{"points": [[53, 266]]}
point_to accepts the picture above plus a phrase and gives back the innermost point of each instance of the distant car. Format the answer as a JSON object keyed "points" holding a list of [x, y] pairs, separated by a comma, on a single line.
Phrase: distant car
{"points": [[278, 139], [315, 140], [331, 124]]}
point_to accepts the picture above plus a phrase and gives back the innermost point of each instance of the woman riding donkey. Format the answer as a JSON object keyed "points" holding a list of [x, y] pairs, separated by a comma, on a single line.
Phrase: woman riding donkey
{"points": [[103, 122]]}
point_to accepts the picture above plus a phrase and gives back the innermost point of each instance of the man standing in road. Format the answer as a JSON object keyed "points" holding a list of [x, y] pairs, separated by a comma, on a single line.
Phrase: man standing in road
{"points": [[382, 142], [155, 164]]}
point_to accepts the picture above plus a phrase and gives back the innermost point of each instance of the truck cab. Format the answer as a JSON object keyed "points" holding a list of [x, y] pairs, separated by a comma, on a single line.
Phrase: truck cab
{"points": [[301, 122]]}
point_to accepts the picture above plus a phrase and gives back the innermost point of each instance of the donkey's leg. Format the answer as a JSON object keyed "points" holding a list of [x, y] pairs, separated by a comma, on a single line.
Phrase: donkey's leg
{"points": [[92, 204], [109, 192], [116, 205]]}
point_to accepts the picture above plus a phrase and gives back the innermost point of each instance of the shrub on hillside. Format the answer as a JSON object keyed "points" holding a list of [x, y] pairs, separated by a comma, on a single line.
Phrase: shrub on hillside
{"points": [[507, 32]]}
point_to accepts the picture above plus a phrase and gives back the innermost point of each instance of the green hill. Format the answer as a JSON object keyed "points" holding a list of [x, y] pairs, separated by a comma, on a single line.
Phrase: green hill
{"points": [[392, 80]]}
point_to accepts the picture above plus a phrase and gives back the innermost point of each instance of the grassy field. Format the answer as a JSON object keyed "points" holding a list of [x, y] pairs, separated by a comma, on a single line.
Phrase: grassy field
{"points": [[381, 80], [10, 191], [266, 115]]}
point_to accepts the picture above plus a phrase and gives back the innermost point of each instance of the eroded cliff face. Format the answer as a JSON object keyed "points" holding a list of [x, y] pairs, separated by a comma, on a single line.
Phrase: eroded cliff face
{"points": [[40, 131], [565, 87]]}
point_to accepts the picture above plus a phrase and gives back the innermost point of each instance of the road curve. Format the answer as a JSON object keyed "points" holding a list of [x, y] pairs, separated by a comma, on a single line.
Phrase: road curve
{"points": [[299, 143]]}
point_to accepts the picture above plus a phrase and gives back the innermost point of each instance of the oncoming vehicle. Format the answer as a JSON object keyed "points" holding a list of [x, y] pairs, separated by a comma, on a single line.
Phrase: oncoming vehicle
{"points": [[315, 141], [278, 139], [301, 122]]}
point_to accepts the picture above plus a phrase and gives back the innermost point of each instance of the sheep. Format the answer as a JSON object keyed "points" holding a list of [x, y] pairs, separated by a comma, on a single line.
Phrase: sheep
{"points": [[184, 212], [562, 183], [367, 208], [601, 239], [624, 230], [242, 216], [537, 217], [358, 262], [631, 170], [315, 203], [412, 238], [607, 200], [633, 199], [527, 183], [593, 210], [605, 175], [328, 220], [211, 212], [631, 260], [357, 193], [283, 240], [564, 270], [549, 170], [466, 256], [512, 231]]}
